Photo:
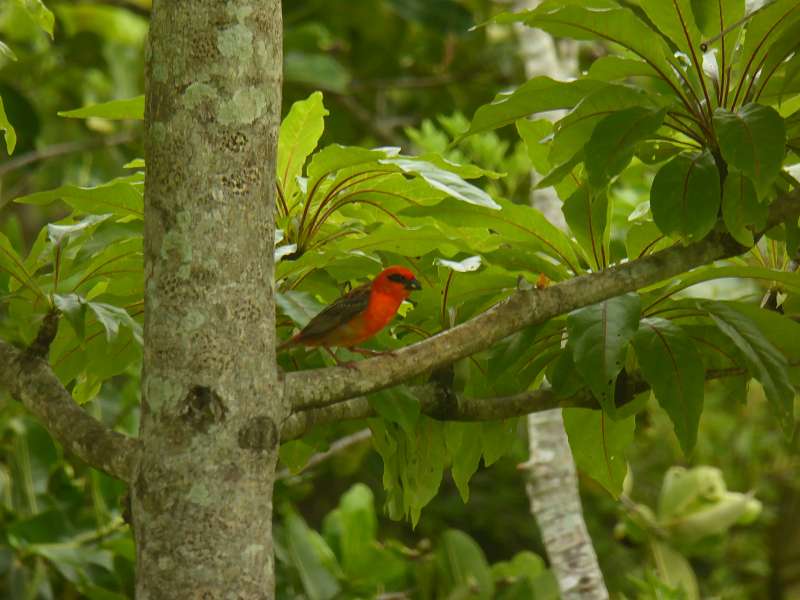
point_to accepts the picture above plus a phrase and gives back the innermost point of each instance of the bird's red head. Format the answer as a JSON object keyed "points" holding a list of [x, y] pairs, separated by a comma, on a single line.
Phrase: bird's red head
{"points": [[396, 281]]}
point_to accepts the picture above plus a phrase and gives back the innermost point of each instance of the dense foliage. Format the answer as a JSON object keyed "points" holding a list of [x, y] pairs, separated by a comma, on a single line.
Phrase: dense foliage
{"points": [[686, 123]]}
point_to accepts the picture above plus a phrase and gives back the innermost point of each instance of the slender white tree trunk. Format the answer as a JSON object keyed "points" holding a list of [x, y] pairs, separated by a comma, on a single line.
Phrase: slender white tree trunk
{"points": [[552, 483]]}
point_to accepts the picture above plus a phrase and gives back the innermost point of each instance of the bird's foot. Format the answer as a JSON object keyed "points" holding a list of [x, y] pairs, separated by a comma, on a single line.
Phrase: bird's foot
{"points": [[339, 363]]}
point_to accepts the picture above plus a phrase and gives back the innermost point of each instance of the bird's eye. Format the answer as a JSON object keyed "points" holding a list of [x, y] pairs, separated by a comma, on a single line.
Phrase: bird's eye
{"points": [[397, 278]]}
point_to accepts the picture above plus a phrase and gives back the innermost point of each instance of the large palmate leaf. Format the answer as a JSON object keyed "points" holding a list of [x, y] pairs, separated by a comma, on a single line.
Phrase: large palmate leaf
{"points": [[765, 362], [671, 364], [598, 338], [685, 195]]}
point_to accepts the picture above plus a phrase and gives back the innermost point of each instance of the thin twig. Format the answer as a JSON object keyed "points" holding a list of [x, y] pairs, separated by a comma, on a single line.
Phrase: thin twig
{"points": [[66, 148]]}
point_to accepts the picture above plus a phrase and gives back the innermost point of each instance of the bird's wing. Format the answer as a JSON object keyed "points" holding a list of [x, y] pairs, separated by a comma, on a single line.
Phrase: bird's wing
{"points": [[337, 313]]}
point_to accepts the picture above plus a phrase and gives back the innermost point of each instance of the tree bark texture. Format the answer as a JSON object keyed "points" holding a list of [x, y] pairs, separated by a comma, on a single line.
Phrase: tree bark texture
{"points": [[211, 395], [552, 482], [555, 503]]}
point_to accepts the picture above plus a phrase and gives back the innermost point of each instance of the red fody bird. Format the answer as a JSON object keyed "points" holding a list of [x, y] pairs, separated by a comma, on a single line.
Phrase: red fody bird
{"points": [[359, 314]]}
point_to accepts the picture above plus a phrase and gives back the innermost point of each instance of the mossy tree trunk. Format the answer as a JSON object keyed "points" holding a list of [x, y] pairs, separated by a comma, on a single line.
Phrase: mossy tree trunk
{"points": [[211, 400]]}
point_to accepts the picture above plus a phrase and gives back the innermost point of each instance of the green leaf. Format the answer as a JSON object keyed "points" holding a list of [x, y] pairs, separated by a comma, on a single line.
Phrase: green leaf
{"points": [[497, 439], [112, 317], [410, 241], [12, 263], [462, 567], [764, 361], [598, 338], [671, 364], [413, 464], [57, 233], [710, 21], [316, 70], [559, 172], [791, 280], [8, 53], [358, 526], [335, 157], [533, 133], [521, 224], [675, 19], [524, 564], [40, 14], [9, 134], [463, 445], [127, 108], [614, 68], [752, 140], [122, 197], [564, 376], [742, 212], [652, 152], [644, 237], [586, 212], [573, 132], [119, 265], [295, 454], [318, 582], [598, 445], [674, 569], [611, 146], [445, 181], [782, 332], [764, 26], [617, 25], [469, 264], [74, 308], [299, 134], [685, 195], [397, 405], [540, 94], [300, 307]]}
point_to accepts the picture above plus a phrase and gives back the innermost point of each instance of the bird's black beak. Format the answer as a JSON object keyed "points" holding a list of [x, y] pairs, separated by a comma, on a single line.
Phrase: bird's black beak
{"points": [[413, 284]]}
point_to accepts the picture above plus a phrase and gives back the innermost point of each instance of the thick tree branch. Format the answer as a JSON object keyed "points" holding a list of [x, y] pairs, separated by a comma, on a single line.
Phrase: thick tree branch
{"points": [[453, 407], [31, 379], [322, 387]]}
